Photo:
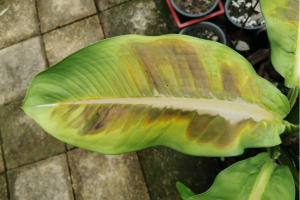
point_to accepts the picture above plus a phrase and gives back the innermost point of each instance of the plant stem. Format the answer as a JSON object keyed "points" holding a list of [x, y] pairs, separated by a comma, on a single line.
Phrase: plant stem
{"points": [[292, 96], [291, 130], [274, 152], [283, 159], [244, 23]]}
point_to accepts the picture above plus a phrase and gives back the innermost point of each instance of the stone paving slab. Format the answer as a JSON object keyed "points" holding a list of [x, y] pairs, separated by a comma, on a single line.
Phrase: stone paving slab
{"points": [[62, 42], [3, 188], [2, 168], [56, 13], [43, 180], [143, 17], [106, 4], [24, 141], [163, 167], [18, 66], [114, 177], [20, 22]]}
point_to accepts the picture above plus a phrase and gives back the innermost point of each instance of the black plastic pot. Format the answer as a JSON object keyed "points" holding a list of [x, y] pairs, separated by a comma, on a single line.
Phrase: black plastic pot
{"points": [[236, 24], [194, 16], [207, 25]]}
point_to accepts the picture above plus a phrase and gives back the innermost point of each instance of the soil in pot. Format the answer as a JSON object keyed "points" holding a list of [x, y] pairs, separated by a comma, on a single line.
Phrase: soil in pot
{"points": [[239, 9], [204, 33], [194, 7]]}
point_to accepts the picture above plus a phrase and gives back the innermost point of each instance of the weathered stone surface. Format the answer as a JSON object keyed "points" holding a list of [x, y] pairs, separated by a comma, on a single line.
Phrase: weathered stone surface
{"points": [[98, 176], [2, 168], [56, 13], [163, 167], [24, 141], [69, 147], [18, 66], [3, 188], [62, 42], [44, 180], [18, 23], [143, 17], [104, 5]]}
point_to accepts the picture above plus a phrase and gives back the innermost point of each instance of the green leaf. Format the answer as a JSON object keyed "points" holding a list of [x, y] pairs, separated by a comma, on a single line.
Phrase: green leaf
{"points": [[284, 160], [282, 22], [131, 92], [293, 116], [184, 191], [257, 178]]}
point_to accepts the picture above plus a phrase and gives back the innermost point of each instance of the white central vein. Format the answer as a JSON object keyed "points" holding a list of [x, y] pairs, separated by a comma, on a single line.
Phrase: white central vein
{"points": [[235, 111]]}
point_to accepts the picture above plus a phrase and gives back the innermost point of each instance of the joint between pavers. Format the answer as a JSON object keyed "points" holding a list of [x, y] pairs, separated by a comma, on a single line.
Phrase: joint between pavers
{"points": [[43, 43], [112, 6], [33, 161], [102, 27], [5, 168], [144, 175], [59, 27], [69, 169], [32, 36]]}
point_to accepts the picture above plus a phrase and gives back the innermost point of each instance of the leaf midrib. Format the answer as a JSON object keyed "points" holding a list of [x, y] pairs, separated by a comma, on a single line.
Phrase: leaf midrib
{"points": [[240, 108]]}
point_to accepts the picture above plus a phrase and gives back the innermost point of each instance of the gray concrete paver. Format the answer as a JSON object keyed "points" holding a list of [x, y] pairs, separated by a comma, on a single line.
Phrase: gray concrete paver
{"points": [[142, 17], [62, 42], [24, 141], [98, 176], [3, 188], [163, 167], [104, 5], [56, 13], [43, 180], [18, 23], [19, 64]]}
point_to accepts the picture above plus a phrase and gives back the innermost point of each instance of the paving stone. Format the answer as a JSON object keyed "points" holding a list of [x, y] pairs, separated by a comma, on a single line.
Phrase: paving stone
{"points": [[163, 167], [19, 22], [56, 13], [44, 180], [62, 42], [98, 176], [18, 66], [104, 5], [24, 141], [3, 188], [2, 169], [70, 147], [143, 17]]}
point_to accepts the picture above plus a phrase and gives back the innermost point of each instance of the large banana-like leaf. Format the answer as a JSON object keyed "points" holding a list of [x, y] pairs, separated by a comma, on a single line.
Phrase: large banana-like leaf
{"points": [[130, 92], [282, 21], [257, 178]]}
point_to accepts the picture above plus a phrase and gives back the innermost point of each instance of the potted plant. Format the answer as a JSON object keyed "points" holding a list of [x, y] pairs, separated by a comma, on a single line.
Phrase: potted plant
{"points": [[194, 8], [237, 12], [205, 30]]}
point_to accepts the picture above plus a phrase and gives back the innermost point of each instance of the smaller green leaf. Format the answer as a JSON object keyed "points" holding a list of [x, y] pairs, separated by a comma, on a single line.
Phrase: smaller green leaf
{"points": [[184, 191], [257, 178], [293, 116], [283, 159]]}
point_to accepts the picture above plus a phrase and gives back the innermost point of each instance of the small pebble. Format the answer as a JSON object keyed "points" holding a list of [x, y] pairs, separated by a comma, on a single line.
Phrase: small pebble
{"points": [[214, 38]]}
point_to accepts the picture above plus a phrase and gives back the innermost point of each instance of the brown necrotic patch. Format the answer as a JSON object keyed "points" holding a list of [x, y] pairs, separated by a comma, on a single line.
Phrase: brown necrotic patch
{"points": [[173, 67], [102, 119], [205, 128], [230, 82]]}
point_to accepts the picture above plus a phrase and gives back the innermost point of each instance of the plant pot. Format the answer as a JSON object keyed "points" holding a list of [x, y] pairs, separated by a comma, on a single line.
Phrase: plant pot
{"points": [[205, 25], [181, 22], [193, 15], [236, 24]]}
